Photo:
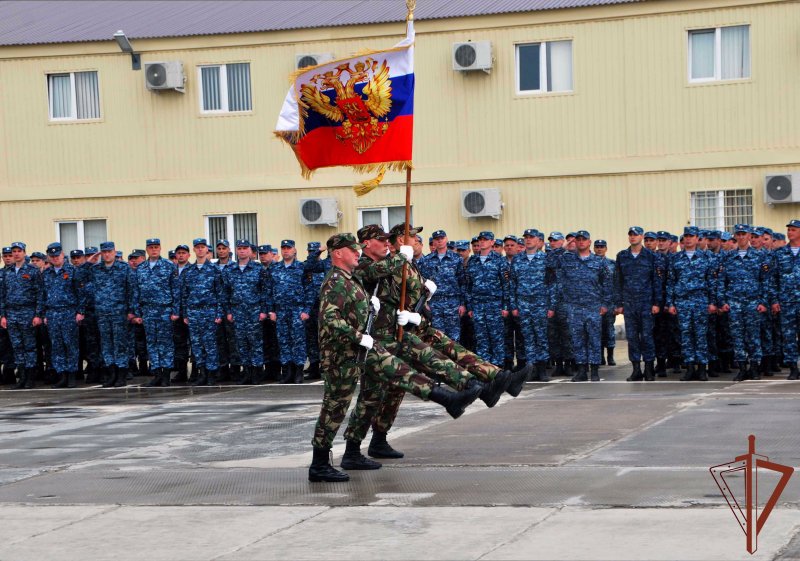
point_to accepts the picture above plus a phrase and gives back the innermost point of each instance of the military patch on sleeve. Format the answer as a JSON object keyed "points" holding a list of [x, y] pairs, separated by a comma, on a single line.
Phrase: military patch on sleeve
{"points": [[765, 267]]}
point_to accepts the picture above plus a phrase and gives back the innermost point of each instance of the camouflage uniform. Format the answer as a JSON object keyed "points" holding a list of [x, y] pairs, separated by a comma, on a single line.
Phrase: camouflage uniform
{"points": [[786, 292], [201, 304], [313, 282], [447, 271], [113, 287], [487, 293], [63, 298], [246, 295], [532, 296], [89, 330], [156, 297], [227, 346], [289, 299], [21, 301]]}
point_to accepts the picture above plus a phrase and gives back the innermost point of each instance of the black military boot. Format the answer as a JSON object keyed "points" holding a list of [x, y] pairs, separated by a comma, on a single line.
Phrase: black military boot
{"points": [[570, 368], [559, 371], [492, 390], [313, 371], [521, 363], [93, 375], [541, 372], [211, 377], [202, 377], [611, 361], [121, 379], [379, 448], [794, 373], [636, 375], [298, 373], [661, 367], [181, 373], [286, 374], [713, 369], [595, 377], [742, 374], [322, 470], [354, 459], [156, 381], [754, 373], [30, 379], [726, 362], [246, 376], [581, 373], [455, 402], [602, 357], [518, 380], [7, 377], [22, 376], [508, 364], [774, 364], [62, 381], [257, 374], [689, 374], [109, 376], [649, 371], [701, 373]]}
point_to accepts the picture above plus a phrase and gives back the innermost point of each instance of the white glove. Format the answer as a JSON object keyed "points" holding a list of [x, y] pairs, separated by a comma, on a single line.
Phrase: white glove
{"points": [[366, 341], [407, 251], [405, 317], [431, 286], [376, 304]]}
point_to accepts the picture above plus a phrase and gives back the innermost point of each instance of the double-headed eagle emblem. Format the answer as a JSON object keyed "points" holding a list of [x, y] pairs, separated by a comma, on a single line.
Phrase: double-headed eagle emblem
{"points": [[360, 114]]}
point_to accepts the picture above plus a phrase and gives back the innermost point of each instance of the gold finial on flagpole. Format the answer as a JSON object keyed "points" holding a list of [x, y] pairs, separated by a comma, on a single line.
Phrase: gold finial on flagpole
{"points": [[410, 4]]}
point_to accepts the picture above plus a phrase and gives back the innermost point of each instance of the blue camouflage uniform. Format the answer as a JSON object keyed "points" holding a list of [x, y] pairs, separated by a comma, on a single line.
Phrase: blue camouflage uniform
{"points": [[22, 300], [201, 304], [486, 281], [786, 292], [532, 297], [557, 328], [585, 287], [156, 297], [447, 271], [742, 285], [608, 337], [638, 285], [313, 283], [113, 296], [289, 299], [691, 289], [246, 295], [63, 298]]}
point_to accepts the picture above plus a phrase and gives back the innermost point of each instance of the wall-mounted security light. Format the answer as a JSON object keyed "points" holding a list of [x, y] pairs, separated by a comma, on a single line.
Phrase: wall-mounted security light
{"points": [[126, 47]]}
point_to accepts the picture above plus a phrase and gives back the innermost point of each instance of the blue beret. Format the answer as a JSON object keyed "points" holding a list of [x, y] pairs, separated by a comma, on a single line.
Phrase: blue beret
{"points": [[54, 249], [106, 246], [287, 243], [637, 230]]}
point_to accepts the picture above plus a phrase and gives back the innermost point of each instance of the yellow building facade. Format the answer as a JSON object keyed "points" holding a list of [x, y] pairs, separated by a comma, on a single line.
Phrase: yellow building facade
{"points": [[635, 137]]}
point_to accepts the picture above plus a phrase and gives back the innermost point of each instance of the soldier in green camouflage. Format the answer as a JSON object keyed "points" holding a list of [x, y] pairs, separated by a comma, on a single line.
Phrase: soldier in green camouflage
{"points": [[435, 352], [344, 306]]}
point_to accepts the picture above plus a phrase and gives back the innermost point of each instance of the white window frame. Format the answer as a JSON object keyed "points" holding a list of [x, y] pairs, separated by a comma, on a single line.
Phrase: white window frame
{"points": [[223, 89], [73, 113], [542, 68], [79, 222], [384, 215], [717, 55], [228, 226], [720, 210]]}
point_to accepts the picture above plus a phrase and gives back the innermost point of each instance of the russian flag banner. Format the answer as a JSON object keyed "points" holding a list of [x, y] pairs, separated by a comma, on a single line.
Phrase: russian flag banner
{"points": [[355, 112]]}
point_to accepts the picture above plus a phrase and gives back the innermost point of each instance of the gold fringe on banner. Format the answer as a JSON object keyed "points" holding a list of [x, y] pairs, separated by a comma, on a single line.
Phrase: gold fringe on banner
{"points": [[366, 186]]}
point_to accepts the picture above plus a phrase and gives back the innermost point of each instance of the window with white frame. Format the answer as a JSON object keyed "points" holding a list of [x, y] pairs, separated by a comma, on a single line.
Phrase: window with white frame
{"points": [[721, 53], [73, 96], [544, 67], [386, 217], [225, 88], [721, 210], [79, 234], [232, 227]]}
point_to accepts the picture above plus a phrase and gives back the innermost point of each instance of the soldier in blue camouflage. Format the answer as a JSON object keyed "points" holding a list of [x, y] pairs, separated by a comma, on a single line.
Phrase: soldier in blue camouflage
{"points": [[638, 287], [313, 282], [558, 336], [156, 304], [246, 301], [530, 299], [785, 294], [585, 281], [743, 284], [64, 303], [112, 282], [608, 334], [487, 299], [227, 345], [514, 348], [88, 331], [7, 363], [290, 310], [201, 310], [180, 329], [446, 269], [21, 308], [692, 296], [344, 307]]}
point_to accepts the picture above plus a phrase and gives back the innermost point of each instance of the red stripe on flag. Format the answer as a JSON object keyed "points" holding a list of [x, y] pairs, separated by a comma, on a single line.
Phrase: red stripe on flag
{"points": [[320, 148]]}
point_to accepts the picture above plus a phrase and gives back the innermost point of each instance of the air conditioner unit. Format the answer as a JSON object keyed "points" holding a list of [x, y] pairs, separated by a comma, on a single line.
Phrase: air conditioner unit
{"points": [[481, 203], [319, 212], [473, 56], [779, 189], [308, 59], [166, 75]]}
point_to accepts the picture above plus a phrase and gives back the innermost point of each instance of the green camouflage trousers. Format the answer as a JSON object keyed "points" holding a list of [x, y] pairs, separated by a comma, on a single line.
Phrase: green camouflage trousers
{"points": [[382, 368], [472, 363]]}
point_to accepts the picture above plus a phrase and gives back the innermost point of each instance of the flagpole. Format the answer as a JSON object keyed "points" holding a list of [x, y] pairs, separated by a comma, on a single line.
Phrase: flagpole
{"points": [[410, 5]]}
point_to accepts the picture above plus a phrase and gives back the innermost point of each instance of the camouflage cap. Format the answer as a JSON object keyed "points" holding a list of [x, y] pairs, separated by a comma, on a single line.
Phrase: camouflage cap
{"points": [[372, 232], [342, 240], [650, 235], [399, 230], [38, 255]]}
